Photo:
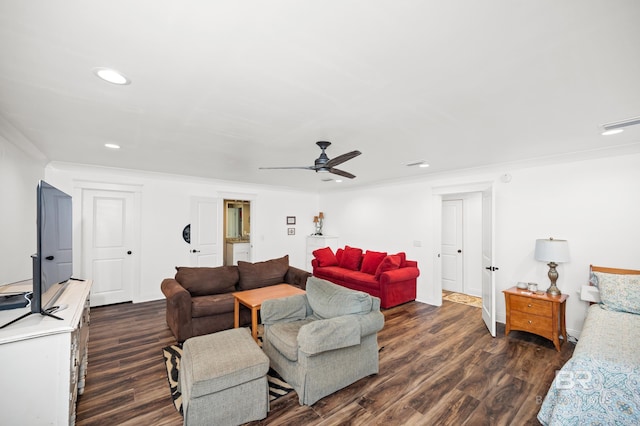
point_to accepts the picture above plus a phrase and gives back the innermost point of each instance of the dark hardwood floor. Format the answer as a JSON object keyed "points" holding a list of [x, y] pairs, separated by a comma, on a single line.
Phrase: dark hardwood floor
{"points": [[438, 365]]}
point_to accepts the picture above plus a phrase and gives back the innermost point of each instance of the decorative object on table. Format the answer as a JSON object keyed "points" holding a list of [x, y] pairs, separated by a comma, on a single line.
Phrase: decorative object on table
{"points": [[318, 222], [291, 220], [522, 285], [554, 252], [532, 287], [291, 231], [186, 234]]}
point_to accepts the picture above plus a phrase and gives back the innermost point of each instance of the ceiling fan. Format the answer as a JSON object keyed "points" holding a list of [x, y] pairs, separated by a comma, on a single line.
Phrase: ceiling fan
{"points": [[324, 164]]}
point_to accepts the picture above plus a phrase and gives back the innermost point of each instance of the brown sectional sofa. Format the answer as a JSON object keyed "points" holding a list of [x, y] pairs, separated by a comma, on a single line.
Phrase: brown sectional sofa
{"points": [[200, 301]]}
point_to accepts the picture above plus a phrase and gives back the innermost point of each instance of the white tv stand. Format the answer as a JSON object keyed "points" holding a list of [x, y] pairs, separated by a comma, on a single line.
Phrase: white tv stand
{"points": [[44, 361]]}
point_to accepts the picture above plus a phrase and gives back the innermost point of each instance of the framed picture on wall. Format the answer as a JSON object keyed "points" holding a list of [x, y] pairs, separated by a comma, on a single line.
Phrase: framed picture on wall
{"points": [[291, 220], [291, 231]]}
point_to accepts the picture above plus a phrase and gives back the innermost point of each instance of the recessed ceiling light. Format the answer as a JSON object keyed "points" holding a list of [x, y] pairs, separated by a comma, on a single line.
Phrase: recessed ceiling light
{"points": [[112, 146], [112, 76], [612, 132], [420, 163]]}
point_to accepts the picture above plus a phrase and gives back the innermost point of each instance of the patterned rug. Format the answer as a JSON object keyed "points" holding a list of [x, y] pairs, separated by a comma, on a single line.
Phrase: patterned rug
{"points": [[465, 299], [277, 386]]}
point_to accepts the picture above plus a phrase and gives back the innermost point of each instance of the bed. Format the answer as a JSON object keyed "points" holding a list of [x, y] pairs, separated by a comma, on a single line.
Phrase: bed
{"points": [[600, 384]]}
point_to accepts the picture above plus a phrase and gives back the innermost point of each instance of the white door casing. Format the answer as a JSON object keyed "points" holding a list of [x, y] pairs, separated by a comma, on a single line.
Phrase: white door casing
{"points": [[488, 271], [206, 238], [452, 240], [108, 244]]}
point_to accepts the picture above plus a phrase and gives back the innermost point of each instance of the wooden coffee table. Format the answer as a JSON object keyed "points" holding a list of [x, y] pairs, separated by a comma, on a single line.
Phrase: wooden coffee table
{"points": [[253, 299]]}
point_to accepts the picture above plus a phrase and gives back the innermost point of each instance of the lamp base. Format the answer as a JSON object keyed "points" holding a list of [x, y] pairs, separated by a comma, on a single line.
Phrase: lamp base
{"points": [[553, 277], [554, 291]]}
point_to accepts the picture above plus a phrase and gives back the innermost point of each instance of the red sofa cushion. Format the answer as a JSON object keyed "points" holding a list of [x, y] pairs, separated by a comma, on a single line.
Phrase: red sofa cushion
{"points": [[325, 257], [389, 263], [371, 261], [351, 258], [403, 259]]}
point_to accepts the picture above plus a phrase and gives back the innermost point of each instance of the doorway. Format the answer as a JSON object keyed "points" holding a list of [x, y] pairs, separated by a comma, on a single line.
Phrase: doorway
{"points": [[237, 231], [461, 244], [482, 222]]}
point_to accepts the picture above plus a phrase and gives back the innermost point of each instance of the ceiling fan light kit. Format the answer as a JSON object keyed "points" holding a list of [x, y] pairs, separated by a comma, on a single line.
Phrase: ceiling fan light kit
{"points": [[323, 164]]}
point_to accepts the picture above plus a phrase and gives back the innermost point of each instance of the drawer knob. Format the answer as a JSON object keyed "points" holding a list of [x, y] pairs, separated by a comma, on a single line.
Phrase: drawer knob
{"points": [[530, 322], [529, 305]]}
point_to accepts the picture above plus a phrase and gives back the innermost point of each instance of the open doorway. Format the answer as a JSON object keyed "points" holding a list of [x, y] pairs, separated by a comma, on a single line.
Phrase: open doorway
{"points": [[237, 231], [484, 191], [461, 243]]}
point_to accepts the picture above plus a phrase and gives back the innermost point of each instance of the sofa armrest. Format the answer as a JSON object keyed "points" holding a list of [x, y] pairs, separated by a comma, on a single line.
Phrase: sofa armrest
{"points": [[401, 274], [329, 334], [370, 323], [296, 276], [285, 309], [178, 308]]}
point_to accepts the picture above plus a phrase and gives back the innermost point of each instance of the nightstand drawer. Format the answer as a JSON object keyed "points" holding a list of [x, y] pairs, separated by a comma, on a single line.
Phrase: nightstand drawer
{"points": [[542, 326], [530, 305]]}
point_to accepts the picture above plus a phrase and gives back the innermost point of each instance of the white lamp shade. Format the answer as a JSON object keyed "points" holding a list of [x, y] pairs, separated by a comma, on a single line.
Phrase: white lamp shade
{"points": [[552, 251]]}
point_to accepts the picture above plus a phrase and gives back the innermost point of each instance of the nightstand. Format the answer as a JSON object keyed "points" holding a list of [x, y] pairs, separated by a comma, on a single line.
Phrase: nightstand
{"points": [[540, 314]]}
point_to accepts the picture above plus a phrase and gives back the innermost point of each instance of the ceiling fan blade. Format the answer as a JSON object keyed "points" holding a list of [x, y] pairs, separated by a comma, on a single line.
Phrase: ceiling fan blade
{"points": [[341, 173], [342, 158], [293, 167]]}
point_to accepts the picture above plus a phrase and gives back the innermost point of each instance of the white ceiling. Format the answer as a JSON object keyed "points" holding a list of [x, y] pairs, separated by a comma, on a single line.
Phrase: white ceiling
{"points": [[220, 88]]}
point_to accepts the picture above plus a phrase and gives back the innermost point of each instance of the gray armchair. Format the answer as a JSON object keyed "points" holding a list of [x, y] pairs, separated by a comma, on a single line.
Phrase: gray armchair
{"points": [[324, 340]]}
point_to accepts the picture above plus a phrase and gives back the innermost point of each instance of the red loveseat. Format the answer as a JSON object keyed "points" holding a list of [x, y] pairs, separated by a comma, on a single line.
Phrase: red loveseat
{"points": [[391, 277]]}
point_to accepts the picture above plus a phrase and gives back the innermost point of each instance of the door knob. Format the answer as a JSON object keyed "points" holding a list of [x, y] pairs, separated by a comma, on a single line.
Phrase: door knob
{"points": [[459, 251], [195, 251], [129, 252]]}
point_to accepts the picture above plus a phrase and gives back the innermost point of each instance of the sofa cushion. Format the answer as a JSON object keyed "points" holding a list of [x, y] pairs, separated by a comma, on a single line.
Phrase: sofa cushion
{"points": [[284, 337], [361, 279], [389, 263], [215, 304], [351, 258], [262, 274], [339, 253], [331, 272], [325, 257], [200, 281], [403, 259], [371, 261], [329, 300]]}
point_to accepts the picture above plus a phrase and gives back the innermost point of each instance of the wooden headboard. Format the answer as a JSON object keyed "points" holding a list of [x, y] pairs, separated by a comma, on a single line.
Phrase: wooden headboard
{"points": [[614, 270]]}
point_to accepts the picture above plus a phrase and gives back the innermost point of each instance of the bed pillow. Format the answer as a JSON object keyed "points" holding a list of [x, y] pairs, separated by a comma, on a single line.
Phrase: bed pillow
{"points": [[325, 257], [371, 261], [619, 292], [351, 258]]}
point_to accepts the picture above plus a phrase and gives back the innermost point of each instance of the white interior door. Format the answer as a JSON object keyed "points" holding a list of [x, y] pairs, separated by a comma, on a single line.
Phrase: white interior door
{"points": [[206, 239], [452, 260], [488, 275], [108, 245]]}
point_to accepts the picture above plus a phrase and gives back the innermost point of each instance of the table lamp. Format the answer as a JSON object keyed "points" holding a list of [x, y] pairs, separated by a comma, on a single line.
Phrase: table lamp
{"points": [[554, 252]]}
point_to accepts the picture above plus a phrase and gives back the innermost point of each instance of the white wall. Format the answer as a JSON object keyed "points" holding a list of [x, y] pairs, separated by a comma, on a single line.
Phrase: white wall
{"points": [[594, 204], [20, 172], [165, 205]]}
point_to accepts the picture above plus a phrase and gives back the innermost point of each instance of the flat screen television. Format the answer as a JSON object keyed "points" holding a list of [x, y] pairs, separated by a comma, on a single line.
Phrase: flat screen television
{"points": [[53, 260]]}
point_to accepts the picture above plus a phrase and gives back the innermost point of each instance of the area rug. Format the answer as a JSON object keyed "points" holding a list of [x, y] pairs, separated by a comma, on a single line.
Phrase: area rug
{"points": [[465, 299], [277, 386]]}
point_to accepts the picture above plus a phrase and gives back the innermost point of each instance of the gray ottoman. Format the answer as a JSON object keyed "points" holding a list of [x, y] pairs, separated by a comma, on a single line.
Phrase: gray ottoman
{"points": [[223, 379]]}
